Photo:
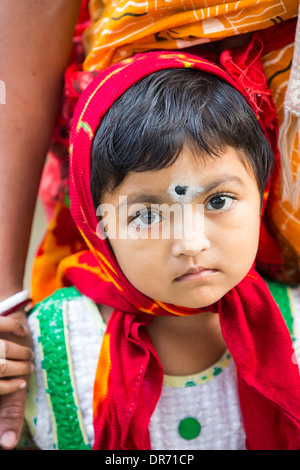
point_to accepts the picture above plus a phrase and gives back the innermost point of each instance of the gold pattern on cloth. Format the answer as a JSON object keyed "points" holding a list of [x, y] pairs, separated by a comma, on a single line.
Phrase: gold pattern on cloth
{"points": [[122, 28]]}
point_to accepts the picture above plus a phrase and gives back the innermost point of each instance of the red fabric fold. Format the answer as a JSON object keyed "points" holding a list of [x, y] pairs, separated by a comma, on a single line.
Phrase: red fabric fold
{"points": [[268, 379], [135, 385]]}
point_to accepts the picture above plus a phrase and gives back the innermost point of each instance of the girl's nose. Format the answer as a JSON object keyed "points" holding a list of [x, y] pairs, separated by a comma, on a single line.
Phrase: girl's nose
{"points": [[190, 236]]}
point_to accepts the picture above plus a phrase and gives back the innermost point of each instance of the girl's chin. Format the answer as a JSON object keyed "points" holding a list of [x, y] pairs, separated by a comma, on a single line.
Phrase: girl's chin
{"points": [[192, 304]]}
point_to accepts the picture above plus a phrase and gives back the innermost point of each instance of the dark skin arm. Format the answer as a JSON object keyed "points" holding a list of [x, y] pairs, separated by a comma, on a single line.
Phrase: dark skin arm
{"points": [[35, 45]]}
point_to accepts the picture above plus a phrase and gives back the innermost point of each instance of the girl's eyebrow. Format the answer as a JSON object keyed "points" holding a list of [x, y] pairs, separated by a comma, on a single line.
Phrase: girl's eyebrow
{"points": [[225, 179], [136, 198]]}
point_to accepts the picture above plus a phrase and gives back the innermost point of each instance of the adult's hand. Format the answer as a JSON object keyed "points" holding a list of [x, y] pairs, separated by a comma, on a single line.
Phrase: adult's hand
{"points": [[35, 45], [16, 364]]}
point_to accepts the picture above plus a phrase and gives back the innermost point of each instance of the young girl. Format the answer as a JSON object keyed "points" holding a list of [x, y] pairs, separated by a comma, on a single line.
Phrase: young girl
{"points": [[195, 353]]}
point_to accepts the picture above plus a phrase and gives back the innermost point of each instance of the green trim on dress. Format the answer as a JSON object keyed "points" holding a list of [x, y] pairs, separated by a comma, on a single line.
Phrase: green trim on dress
{"points": [[280, 293], [202, 377], [68, 428]]}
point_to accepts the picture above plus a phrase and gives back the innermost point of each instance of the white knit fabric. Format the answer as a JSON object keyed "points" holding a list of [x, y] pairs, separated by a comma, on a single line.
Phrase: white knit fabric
{"points": [[295, 302], [214, 404], [85, 341], [43, 436]]}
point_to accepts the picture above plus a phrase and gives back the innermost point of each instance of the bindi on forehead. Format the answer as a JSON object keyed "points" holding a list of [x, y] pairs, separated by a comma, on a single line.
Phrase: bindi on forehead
{"points": [[180, 190], [184, 193]]}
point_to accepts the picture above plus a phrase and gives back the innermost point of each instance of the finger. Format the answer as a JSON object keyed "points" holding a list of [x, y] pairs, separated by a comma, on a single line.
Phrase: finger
{"points": [[21, 318], [12, 408], [10, 368], [10, 350], [13, 324], [12, 385]]}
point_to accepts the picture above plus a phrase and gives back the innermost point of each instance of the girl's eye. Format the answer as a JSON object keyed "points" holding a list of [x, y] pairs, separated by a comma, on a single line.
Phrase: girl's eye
{"points": [[147, 218], [220, 202]]}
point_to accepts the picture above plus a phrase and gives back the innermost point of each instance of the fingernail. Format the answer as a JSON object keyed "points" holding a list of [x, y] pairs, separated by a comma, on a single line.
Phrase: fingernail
{"points": [[9, 439], [23, 330], [22, 385], [23, 327]]}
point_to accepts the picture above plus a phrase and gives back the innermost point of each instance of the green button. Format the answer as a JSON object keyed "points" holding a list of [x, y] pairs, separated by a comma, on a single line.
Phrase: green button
{"points": [[189, 428]]}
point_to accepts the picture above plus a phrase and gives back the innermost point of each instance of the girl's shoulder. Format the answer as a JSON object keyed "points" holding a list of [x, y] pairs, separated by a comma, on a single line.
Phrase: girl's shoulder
{"points": [[67, 331], [55, 300], [58, 311], [287, 298]]}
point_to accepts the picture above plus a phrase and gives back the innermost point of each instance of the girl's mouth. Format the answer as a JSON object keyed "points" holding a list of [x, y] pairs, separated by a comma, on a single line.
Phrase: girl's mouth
{"points": [[196, 273]]}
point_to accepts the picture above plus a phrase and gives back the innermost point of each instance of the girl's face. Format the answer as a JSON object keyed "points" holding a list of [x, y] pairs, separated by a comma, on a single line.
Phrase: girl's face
{"points": [[186, 234]]}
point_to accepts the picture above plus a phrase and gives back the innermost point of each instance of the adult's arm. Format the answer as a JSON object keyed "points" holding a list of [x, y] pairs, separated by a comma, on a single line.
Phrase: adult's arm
{"points": [[35, 44]]}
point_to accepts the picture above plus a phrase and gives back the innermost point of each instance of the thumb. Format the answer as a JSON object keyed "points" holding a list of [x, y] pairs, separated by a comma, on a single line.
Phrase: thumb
{"points": [[12, 408]]}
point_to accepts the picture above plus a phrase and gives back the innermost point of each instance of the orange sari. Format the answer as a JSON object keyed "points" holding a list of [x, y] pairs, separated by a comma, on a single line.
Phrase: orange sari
{"points": [[122, 28]]}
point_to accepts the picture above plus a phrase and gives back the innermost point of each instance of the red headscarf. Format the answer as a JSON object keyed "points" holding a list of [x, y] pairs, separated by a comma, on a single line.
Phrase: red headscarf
{"points": [[129, 376]]}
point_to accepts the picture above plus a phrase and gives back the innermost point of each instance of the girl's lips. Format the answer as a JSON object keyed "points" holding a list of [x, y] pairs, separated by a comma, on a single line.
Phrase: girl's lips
{"points": [[199, 273]]}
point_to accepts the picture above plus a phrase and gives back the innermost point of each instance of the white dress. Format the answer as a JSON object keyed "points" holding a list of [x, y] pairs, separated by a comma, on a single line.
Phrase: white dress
{"points": [[198, 412]]}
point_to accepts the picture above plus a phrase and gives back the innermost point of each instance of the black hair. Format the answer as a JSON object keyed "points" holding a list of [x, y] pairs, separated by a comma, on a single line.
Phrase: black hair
{"points": [[147, 127]]}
